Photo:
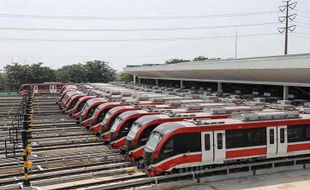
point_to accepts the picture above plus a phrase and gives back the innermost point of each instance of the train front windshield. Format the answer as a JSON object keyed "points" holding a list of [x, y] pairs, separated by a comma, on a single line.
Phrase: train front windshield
{"points": [[73, 103], [133, 131], [106, 117], [153, 141], [101, 116], [80, 107], [84, 108], [90, 113], [116, 124]]}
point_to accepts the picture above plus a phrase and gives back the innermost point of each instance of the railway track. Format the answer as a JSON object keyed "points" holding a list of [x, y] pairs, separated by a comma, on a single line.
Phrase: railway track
{"points": [[65, 156], [60, 148]]}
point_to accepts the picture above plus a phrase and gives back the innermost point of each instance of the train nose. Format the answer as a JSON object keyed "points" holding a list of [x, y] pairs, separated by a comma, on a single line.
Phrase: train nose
{"points": [[128, 144], [147, 158]]}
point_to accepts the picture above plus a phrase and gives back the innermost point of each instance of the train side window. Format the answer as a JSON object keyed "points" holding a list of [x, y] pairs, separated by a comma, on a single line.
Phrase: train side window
{"points": [[282, 135], [308, 133], [245, 138], [168, 147], [271, 136], [219, 141], [43, 87], [207, 141], [298, 133]]}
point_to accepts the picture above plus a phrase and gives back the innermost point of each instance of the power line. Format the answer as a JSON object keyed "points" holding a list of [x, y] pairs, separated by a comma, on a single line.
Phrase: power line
{"points": [[303, 12], [134, 29], [134, 40], [303, 16], [301, 35], [23, 16]]}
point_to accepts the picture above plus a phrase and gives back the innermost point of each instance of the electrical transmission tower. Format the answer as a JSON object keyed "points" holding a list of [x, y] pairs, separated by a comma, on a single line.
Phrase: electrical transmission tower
{"points": [[287, 18]]}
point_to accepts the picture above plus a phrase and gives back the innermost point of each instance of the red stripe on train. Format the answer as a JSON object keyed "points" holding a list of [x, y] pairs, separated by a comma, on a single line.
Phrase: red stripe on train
{"points": [[245, 152], [298, 147], [182, 159]]}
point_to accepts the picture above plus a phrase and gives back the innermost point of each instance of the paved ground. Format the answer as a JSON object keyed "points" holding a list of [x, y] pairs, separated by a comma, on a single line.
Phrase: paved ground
{"points": [[291, 180]]}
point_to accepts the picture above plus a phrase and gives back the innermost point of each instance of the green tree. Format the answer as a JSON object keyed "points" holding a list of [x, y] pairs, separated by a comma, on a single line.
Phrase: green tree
{"points": [[17, 74], [41, 74], [125, 77], [2, 81], [72, 73], [99, 71], [200, 58], [92, 71], [172, 61]]}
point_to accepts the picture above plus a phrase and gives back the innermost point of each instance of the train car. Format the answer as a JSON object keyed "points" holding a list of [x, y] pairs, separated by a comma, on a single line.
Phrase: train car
{"points": [[68, 97], [100, 113], [74, 99], [66, 89], [118, 140], [251, 136], [141, 129], [79, 106], [110, 117], [102, 129], [41, 88], [122, 125], [89, 108]]}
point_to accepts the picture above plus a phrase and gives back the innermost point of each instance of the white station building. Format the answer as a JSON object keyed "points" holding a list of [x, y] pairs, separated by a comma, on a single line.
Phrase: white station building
{"points": [[285, 71]]}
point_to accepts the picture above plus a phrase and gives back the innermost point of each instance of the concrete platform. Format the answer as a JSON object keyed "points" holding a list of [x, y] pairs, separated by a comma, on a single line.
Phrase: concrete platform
{"points": [[290, 180]]}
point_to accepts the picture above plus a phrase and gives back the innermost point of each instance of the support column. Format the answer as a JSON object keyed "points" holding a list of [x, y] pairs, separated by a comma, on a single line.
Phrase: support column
{"points": [[285, 92], [134, 79], [181, 84], [156, 82], [219, 87], [139, 80]]}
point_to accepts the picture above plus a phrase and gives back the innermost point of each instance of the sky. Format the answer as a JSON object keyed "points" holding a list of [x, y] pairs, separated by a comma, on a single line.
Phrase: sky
{"points": [[128, 47]]}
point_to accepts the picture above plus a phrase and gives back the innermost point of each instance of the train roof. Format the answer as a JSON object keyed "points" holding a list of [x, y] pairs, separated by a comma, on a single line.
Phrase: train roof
{"points": [[168, 127], [107, 104], [85, 97], [95, 100], [130, 113], [82, 95], [147, 118], [115, 109]]}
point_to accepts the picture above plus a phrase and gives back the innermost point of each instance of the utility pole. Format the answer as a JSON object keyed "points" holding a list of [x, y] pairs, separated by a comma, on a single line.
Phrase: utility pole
{"points": [[286, 19], [236, 44]]}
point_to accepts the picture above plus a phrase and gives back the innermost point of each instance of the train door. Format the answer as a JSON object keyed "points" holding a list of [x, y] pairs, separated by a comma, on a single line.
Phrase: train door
{"points": [[35, 89], [219, 146], [271, 141], [282, 140], [207, 147], [52, 88]]}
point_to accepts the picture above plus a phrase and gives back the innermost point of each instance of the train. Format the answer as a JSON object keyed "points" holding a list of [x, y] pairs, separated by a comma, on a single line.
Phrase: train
{"points": [[258, 135], [155, 130], [41, 88]]}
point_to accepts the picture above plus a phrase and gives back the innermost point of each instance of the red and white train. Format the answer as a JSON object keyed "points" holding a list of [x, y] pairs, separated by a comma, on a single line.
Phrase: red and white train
{"points": [[261, 135], [40, 88]]}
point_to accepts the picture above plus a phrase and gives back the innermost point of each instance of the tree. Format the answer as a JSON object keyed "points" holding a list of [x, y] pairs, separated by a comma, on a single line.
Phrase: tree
{"points": [[72, 73], [200, 58], [2, 81], [172, 61], [40, 74], [17, 74], [92, 71], [99, 71], [125, 77]]}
